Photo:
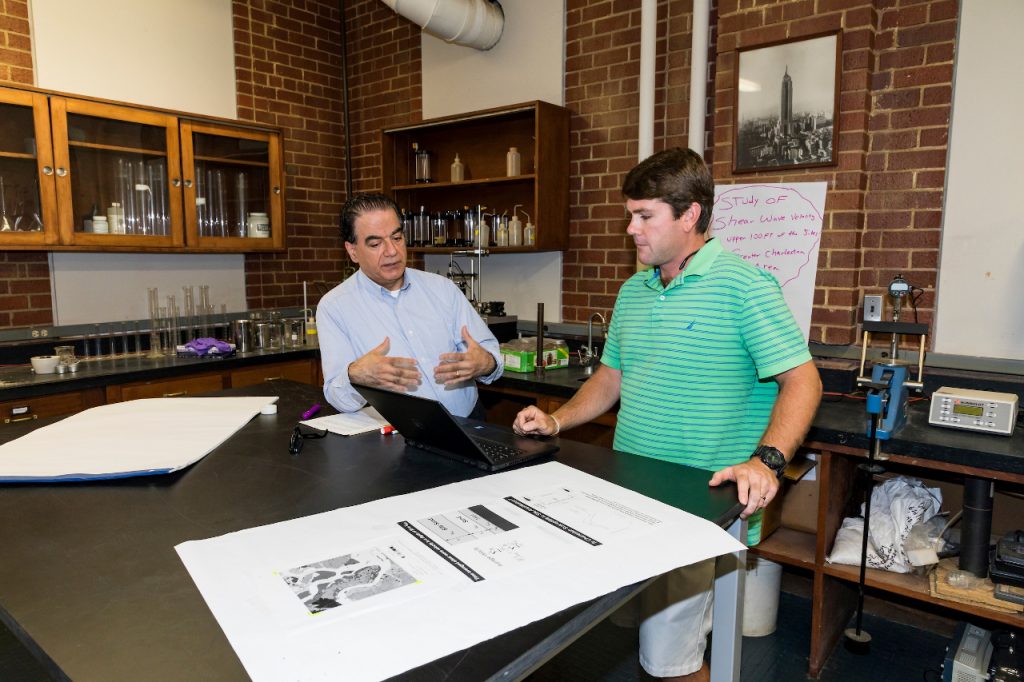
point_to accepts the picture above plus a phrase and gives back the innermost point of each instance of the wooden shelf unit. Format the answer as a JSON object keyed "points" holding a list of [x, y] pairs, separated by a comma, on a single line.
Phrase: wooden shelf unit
{"points": [[834, 595], [539, 130]]}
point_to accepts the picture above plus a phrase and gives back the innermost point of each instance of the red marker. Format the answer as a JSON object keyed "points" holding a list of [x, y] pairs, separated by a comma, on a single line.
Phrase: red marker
{"points": [[388, 430]]}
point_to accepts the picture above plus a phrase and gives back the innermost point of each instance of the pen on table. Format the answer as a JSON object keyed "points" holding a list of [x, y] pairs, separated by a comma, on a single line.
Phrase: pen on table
{"points": [[308, 414]]}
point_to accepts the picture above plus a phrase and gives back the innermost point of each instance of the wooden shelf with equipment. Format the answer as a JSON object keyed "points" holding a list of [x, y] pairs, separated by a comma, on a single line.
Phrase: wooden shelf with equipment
{"points": [[481, 139]]}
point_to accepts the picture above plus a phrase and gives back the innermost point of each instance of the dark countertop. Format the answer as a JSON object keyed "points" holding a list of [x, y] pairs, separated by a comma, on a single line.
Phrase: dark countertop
{"points": [[90, 581], [21, 382], [843, 421]]}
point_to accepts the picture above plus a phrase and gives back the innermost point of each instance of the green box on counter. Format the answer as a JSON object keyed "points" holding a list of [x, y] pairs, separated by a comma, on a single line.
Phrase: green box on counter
{"points": [[521, 356]]}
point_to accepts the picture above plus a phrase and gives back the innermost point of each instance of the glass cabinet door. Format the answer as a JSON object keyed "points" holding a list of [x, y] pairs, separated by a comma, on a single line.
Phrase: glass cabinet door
{"points": [[28, 215], [118, 175], [233, 187]]}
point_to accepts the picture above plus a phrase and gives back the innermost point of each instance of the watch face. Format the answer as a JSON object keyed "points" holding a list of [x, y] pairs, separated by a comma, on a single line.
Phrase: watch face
{"points": [[772, 458]]}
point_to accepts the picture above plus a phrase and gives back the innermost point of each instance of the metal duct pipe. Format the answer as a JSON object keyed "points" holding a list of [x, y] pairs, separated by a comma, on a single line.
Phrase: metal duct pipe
{"points": [[473, 23], [699, 74]]}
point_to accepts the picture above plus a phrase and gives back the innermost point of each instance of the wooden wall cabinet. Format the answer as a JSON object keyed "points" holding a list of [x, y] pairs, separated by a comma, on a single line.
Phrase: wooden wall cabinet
{"points": [[166, 181], [540, 132]]}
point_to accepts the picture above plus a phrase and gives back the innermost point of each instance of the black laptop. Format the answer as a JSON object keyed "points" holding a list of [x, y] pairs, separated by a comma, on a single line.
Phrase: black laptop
{"points": [[428, 425]]}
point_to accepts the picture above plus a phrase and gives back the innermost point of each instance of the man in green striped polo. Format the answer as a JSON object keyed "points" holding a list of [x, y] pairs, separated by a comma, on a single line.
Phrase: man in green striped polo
{"points": [[709, 369]]}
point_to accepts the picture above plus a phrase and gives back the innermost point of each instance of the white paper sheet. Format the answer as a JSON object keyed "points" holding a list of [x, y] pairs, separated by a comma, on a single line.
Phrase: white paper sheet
{"points": [[349, 423], [367, 592], [153, 435]]}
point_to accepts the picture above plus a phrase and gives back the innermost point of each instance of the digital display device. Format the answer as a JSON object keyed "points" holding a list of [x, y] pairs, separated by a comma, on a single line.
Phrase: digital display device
{"points": [[972, 410]]}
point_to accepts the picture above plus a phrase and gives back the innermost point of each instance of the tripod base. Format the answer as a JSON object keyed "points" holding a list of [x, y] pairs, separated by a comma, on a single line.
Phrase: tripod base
{"points": [[858, 643]]}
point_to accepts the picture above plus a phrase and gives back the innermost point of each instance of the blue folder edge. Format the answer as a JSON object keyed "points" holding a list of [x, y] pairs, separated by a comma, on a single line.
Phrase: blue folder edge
{"points": [[71, 478]]}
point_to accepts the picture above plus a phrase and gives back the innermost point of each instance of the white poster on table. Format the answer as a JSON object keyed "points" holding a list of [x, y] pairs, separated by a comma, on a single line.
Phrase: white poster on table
{"points": [[776, 227], [367, 592]]}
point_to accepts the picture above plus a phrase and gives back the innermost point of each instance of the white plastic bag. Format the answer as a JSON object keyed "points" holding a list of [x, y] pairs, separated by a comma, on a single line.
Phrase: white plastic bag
{"points": [[897, 505]]}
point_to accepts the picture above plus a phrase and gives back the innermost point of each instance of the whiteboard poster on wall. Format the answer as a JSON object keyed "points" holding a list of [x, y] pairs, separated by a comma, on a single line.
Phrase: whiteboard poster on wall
{"points": [[776, 227]]}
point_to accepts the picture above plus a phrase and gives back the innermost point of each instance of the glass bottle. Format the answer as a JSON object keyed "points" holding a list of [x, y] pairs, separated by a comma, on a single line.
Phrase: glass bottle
{"points": [[423, 165]]}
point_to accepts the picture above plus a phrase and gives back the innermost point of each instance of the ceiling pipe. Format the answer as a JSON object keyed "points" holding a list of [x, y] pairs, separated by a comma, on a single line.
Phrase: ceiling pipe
{"points": [[699, 74], [648, 41], [473, 23]]}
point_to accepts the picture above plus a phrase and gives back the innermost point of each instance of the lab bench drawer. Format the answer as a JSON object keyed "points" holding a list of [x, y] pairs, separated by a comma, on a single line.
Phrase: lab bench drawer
{"points": [[61, 404], [302, 371], [166, 388]]}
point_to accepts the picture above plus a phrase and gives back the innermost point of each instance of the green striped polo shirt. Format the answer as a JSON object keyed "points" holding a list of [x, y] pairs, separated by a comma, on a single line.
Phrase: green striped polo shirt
{"points": [[697, 357]]}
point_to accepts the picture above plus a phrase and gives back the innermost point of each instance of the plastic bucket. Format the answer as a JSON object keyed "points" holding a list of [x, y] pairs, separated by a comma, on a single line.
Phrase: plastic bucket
{"points": [[761, 597]]}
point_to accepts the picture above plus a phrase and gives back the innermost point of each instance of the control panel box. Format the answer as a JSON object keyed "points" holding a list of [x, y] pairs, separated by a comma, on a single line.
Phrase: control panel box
{"points": [[965, 408]]}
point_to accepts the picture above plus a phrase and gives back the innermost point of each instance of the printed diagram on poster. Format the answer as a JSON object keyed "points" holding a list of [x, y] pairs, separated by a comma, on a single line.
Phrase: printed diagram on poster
{"points": [[776, 227], [367, 592]]}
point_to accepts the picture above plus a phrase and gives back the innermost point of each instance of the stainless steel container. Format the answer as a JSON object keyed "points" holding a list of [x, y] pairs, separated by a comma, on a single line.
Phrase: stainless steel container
{"points": [[243, 333]]}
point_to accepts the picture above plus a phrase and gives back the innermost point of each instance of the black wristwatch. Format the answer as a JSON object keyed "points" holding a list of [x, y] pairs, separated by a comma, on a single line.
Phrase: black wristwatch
{"points": [[771, 458]]}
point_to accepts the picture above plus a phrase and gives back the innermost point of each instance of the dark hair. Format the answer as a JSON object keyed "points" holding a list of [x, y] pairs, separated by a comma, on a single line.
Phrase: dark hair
{"points": [[357, 205], [677, 176]]}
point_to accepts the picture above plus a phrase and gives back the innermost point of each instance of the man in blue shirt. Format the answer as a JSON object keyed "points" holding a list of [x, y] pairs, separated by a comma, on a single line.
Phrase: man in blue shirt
{"points": [[399, 328]]}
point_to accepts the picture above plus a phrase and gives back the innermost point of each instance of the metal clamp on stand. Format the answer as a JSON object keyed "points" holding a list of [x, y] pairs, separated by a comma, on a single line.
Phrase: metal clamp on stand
{"points": [[888, 389]]}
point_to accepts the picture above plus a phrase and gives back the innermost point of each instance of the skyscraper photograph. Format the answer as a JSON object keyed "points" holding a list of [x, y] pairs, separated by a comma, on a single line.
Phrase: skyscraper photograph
{"points": [[787, 99]]}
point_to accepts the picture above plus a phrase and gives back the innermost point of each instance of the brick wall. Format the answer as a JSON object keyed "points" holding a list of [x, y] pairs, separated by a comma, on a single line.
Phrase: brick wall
{"points": [[289, 73], [883, 210], [24, 276], [602, 90]]}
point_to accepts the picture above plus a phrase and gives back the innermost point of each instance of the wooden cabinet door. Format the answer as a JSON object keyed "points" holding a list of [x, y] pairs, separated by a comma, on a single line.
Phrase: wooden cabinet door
{"points": [[301, 371], [233, 184], [28, 203], [166, 388], [110, 157]]}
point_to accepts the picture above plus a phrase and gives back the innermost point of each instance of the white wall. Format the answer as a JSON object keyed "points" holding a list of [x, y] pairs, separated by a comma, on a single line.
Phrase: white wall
{"points": [[981, 271], [175, 54], [528, 63]]}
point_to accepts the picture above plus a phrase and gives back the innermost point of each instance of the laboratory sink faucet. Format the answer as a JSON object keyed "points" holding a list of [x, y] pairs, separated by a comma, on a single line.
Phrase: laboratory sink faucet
{"points": [[589, 354]]}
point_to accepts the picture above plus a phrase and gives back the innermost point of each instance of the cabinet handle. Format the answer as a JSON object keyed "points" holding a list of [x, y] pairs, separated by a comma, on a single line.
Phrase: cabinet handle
{"points": [[188, 183], [61, 171], [176, 182], [272, 378], [176, 394], [12, 420], [47, 170], [277, 190]]}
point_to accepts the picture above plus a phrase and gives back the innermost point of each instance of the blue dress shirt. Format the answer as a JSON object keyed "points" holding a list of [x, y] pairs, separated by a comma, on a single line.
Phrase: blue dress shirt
{"points": [[423, 320]]}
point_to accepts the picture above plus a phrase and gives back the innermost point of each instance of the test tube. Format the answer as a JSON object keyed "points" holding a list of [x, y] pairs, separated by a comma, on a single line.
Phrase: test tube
{"points": [[240, 226]]}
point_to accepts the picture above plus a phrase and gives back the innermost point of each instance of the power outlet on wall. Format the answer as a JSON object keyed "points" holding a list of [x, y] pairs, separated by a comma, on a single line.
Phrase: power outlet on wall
{"points": [[872, 308]]}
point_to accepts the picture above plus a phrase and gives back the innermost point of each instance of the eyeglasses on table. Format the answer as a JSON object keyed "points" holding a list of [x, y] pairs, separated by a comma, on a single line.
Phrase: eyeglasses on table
{"points": [[299, 437]]}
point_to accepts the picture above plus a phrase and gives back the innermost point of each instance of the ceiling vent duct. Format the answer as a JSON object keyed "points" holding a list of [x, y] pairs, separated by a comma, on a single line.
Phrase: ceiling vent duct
{"points": [[473, 23]]}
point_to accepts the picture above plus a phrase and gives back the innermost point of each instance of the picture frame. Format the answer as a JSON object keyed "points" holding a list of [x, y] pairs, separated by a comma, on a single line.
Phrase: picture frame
{"points": [[787, 104]]}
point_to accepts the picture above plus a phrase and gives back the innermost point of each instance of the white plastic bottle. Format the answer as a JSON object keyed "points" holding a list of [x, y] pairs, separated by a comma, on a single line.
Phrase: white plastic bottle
{"points": [[99, 224], [515, 230], [458, 170], [512, 162], [529, 234]]}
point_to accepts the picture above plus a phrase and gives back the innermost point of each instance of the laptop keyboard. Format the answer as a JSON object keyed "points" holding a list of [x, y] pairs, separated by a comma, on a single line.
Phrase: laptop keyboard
{"points": [[499, 452]]}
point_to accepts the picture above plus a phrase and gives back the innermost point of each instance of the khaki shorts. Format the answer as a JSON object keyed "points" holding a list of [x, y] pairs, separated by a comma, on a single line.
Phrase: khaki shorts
{"points": [[675, 612]]}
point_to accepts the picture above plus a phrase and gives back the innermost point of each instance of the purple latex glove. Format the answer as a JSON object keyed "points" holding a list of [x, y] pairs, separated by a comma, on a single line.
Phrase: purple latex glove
{"points": [[206, 346]]}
